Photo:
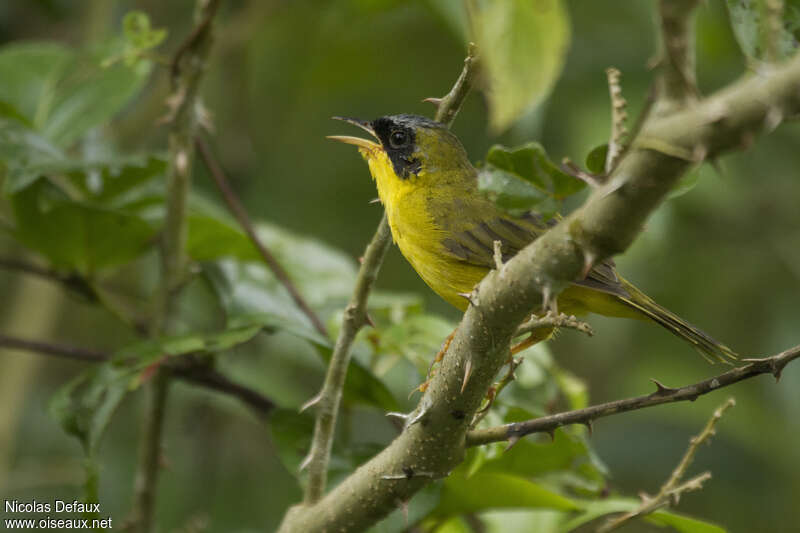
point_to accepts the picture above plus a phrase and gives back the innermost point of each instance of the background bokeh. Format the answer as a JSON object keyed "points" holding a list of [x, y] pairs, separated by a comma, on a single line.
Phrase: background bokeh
{"points": [[726, 255]]}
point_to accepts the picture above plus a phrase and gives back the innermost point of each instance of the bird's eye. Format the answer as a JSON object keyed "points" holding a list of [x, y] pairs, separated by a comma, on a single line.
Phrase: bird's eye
{"points": [[398, 138]]}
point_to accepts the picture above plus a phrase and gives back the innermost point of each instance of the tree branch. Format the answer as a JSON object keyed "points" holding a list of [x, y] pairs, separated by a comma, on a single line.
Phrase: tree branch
{"points": [[70, 352], [547, 424], [184, 368], [73, 282], [677, 84], [605, 225], [674, 488], [449, 105], [328, 400], [240, 213]]}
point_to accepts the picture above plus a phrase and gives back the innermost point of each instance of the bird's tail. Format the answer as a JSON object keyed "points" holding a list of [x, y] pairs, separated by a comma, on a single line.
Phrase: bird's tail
{"points": [[709, 347]]}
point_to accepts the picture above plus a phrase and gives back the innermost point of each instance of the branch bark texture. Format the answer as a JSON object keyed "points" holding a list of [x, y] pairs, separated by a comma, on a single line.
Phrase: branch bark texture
{"points": [[604, 226]]}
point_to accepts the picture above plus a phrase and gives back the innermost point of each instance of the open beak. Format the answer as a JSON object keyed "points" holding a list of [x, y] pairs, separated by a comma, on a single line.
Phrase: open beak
{"points": [[358, 141]]}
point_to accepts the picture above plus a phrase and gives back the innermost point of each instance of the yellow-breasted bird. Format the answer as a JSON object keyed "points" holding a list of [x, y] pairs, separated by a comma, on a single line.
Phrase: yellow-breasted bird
{"points": [[446, 228]]}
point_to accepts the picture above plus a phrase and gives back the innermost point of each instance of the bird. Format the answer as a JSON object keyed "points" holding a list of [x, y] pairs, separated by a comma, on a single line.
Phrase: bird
{"points": [[446, 228]]}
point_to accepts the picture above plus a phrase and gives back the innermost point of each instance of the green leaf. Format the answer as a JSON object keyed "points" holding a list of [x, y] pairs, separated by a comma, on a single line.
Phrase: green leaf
{"points": [[497, 490], [84, 406], [250, 293], [682, 523], [30, 73], [75, 234], [416, 337], [143, 353], [529, 458], [596, 160], [523, 46], [22, 151], [138, 33], [595, 509], [291, 433], [750, 27], [63, 93], [524, 178]]}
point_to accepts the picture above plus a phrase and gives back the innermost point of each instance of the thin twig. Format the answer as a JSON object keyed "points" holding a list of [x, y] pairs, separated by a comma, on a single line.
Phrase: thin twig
{"points": [[677, 82], [449, 105], [70, 352], [355, 317], [670, 492], [195, 39], [772, 29], [240, 213], [771, 365], [71, 281], [150, 456], [188, 66], [185, 368], [619, 118], [553, 320]]}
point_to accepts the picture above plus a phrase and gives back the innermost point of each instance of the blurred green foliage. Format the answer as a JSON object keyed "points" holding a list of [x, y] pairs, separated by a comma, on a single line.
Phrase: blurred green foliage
{"points": [[82, 90]]}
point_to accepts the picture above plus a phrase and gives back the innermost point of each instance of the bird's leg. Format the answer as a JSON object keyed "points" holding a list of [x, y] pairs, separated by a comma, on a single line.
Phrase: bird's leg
{"points": [[537, 335], [438, 359]]}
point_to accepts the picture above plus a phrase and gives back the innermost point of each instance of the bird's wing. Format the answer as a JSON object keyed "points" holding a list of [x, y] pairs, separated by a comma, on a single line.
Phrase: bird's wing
{"points": [[475, 246]]}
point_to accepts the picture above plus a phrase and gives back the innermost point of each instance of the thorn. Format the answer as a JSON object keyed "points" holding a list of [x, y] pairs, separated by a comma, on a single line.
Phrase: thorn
{"points": [[512, 440], [588, 262], [395, 414], [368, 320], [699, 153], [498, 255], [416, 418], [305, 463], [552, 434], [588, 425], [773, 119], [435, 101], [468, 297], [375, 201], [467, 374], [661, 389], [313, 401]]}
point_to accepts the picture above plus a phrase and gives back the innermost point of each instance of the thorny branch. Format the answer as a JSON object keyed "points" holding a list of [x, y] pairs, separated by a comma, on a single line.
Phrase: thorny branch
{"points": [[547, 424], [448, 106], [328, 400], [674, 487], [604, 226]]}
